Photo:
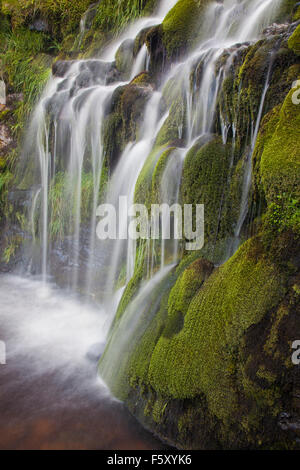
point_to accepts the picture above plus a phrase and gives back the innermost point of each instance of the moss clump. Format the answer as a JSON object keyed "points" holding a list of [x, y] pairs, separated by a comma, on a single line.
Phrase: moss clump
{"points": [[184, 290], [123, 120], [296, 16], [279, 163], [143, 188], [143, 79], [158, 173], [174, 126], [124, 57], [294, 41], [199, 352], [205, 181], [285, 11], [180, 26], [217, 317], [62, 16]]}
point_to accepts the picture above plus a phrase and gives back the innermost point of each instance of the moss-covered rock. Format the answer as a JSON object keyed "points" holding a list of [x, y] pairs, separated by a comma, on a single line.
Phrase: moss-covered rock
{"points": [[205, 181], [180, 26], [286, 11], [174, 126], [143, 189], [279, 164], [211, 361], [294, 41], [124, 57], [63, 16], [123, 121]]}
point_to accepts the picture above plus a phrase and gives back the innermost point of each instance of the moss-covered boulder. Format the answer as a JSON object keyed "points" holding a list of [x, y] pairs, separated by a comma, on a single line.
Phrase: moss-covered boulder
{"points": [[61, 16], [123, 119], [206, 180], [124, 57], [294, 41], [279, 164], [180, 26], [212, 369], [287, 10]]}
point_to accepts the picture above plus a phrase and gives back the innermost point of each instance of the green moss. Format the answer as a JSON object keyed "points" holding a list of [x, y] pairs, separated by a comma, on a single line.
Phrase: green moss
{"points": [[12, 246], [174, 125], [124, 57], [180, 26], [63, 15], [205, 181], [158, 173], [217, 318], [285, 10], [123, 122], [143, 188], [296, 16], [62, 215], [182, 294], [279, 163], [196, 341], [142, 79], [131, 290], [294, 41]]}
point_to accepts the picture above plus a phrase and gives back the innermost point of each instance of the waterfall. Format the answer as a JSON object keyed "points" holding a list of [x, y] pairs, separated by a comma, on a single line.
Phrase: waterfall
{"points": [[64, 152]]}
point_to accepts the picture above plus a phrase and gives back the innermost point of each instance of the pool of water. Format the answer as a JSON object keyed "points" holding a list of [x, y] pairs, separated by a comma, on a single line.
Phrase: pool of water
{"points": [[51, 396]]}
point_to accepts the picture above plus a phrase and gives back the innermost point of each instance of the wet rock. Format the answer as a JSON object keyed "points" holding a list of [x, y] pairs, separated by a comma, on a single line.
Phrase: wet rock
{"points": [[61, 67], [123, 120], [95, 352], [105, 72], [5, 135], [140, 40], [88, 17], [40, 24], [55, 104], [124, 57], [290, 423], [2, 92], [276, 29], [157, 51]]}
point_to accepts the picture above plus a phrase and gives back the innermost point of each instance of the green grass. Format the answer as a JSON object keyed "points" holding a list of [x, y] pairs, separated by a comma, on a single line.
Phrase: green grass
{"points": [[114, 15]]}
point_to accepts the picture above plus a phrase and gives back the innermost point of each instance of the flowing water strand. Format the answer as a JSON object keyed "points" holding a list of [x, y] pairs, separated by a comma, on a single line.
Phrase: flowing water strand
{"points": [[248, 167], [123, 185]]}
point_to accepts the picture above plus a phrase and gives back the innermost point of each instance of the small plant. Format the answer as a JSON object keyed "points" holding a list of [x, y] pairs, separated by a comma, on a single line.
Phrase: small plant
{"points": [[284, 213]]}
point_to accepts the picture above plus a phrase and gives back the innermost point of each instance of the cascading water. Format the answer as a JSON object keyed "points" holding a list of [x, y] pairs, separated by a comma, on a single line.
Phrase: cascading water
{"points": [[201, 102], [66, 139]]}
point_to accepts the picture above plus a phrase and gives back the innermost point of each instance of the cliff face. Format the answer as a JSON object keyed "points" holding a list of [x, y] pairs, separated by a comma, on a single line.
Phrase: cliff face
{"points": [[210, 366]]}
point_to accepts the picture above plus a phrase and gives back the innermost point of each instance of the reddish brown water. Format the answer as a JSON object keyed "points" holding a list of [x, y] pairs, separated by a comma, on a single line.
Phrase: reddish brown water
{"points": [[50, 396]]}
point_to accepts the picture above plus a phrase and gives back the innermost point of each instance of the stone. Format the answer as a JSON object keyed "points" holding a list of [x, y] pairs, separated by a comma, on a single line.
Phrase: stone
{"points": [[2, 92]]}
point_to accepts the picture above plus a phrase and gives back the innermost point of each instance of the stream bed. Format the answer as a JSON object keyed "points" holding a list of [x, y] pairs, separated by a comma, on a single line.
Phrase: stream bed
{"points": [[50, 394]]}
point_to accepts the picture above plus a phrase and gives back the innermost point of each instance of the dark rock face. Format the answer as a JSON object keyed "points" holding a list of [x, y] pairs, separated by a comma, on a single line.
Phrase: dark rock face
{"points": [[40, 24], [61, 67], [92, 72], [158, 53], [123, 119]]}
